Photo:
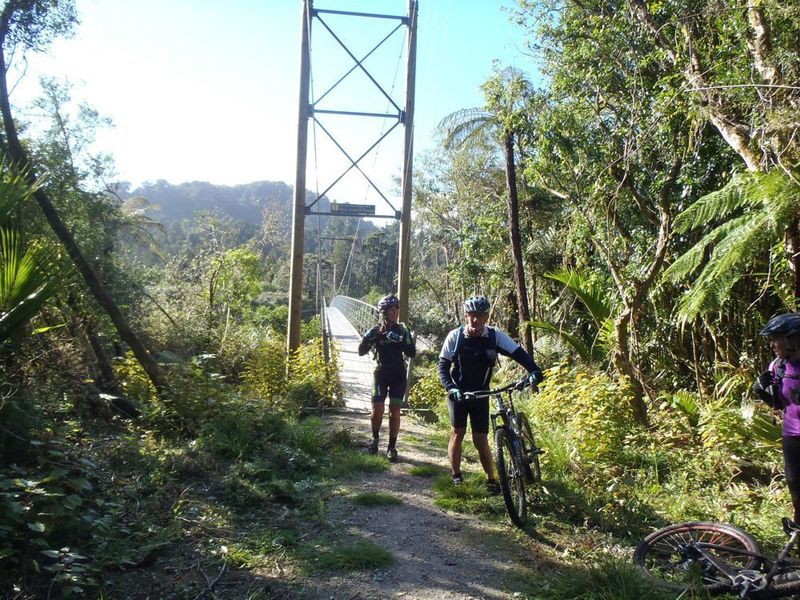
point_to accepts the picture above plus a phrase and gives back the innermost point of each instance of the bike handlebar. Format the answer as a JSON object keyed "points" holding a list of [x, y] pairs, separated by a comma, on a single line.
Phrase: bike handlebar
{"points": [[515, 385]]}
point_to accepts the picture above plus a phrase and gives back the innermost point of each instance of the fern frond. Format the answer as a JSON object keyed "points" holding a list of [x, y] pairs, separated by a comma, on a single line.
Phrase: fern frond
{"points": [[738, 193], [575, 342], [458, 127], [592, 296], [729, 262], [686, 264]]}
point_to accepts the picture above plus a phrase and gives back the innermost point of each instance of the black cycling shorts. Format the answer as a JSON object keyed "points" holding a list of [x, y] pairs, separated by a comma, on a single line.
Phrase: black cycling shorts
{"points": [[389, 384], [477, 409]]}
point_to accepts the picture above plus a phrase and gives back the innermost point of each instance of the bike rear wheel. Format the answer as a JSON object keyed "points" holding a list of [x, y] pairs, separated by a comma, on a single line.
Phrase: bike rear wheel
{"points": [[661, 556], [511, 473], [530, 452]]}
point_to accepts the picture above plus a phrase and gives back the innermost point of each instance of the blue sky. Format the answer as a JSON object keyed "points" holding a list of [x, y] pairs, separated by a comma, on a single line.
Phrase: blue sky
{"points": [[205, 90]]}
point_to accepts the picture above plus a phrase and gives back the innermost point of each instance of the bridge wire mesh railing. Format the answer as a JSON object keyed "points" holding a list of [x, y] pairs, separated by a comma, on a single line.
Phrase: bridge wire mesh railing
{"points": [[361, 315]]}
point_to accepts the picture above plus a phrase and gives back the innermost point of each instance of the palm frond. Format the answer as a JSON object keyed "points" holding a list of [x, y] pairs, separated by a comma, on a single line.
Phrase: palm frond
{"points": [[592, 296], [25, 282], [765, 430], [14, 190], [689, 404], [577, 344], [458, 127]]}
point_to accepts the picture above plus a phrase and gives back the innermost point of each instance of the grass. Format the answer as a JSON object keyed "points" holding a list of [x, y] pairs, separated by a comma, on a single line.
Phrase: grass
{"points": [[348, 461], [376, 499], [606, 579], [355, 555], [470, 497], [425, 470]]}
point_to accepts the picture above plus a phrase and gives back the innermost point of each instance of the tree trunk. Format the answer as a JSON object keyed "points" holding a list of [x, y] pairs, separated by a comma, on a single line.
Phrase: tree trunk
{"points": [[104, 299], [107, 378], [792, 244], [516, 245], [622, 363]]}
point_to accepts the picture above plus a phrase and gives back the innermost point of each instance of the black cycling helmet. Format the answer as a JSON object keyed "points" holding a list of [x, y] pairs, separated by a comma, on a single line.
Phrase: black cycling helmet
{"points": [[387, 302], [785, 325], [476, 304]]}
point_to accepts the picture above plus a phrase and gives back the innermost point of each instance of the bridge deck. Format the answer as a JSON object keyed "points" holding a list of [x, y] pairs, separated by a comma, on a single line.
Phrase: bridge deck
{"points": [[355, 370]]}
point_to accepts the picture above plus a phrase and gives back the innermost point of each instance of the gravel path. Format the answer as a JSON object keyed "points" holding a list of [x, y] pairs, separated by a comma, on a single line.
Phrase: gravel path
{"points": [[437, 554]]}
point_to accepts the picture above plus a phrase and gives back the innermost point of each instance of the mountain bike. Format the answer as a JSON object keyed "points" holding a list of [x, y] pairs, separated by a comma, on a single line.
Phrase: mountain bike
{"points": [[720, 558], [516, 455]]}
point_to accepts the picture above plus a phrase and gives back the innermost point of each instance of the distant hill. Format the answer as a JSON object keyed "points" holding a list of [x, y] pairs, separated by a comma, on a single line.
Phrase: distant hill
{"points": [[246, 202]]}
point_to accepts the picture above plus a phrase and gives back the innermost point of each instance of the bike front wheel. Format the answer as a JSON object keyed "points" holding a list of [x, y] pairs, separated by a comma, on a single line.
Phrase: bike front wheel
{"points": [[511, 473], [662, 554], [530, 452]]}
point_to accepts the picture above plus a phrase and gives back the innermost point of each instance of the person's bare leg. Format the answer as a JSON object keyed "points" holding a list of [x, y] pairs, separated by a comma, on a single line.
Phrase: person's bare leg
{"points": [[376, 418], [454, 448], [481, 441]]}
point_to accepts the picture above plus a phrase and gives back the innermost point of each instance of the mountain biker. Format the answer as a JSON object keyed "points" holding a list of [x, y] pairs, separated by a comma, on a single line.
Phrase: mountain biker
{"points": [[779, 387], [390, 340], [466, 361]]}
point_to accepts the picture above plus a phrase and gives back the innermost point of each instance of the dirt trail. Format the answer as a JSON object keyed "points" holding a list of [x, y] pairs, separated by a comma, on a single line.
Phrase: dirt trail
{"points": [[438, 554]]}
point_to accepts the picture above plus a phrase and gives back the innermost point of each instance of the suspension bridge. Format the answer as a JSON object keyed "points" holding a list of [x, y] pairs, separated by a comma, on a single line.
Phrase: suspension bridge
{"points": [[345, 319]]}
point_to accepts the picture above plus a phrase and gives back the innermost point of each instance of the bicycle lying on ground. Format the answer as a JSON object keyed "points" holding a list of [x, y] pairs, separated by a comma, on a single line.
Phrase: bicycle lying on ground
{"points": [[720, 558], [516, 455]]}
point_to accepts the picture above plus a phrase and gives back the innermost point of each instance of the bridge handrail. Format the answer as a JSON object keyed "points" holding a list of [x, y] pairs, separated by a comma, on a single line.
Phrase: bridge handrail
{"points": [[361, 315]]}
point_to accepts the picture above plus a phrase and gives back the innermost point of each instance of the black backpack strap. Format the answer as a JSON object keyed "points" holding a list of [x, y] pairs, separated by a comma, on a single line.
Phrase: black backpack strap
{"points": [[779, 369]]}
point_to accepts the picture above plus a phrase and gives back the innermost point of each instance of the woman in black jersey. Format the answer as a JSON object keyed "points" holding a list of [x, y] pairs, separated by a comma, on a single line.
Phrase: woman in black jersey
{"points": [[390, 341]]}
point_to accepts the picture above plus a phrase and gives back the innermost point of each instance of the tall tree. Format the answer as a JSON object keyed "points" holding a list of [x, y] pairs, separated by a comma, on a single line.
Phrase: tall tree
{"points": [[31, 25], [741, 65], [611, 138], [506, 94]]}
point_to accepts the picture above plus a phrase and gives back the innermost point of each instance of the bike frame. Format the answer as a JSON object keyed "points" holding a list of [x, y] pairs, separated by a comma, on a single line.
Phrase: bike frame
{"points": [[503, 410], [745, 581]]}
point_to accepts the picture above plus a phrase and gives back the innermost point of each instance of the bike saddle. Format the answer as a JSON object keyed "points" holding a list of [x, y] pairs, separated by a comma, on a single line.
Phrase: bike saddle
{"points": [[789, 526]]}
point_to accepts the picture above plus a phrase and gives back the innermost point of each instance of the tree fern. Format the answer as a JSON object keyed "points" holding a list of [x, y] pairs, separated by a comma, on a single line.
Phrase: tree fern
{"points": [[459, 127], [766, 203], [718, 205]]}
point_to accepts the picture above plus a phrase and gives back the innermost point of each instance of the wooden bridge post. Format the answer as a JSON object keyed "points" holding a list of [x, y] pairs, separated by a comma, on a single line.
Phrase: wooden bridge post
{"points": [[404, 259], [299, 216]]}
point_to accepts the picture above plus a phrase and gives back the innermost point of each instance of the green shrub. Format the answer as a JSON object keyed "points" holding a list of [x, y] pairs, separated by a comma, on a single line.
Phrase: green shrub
{"points": [[311, 381], [592, 412], [427, 392], [242, 430], [264, 374], [49, 513], [310, 375]]}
